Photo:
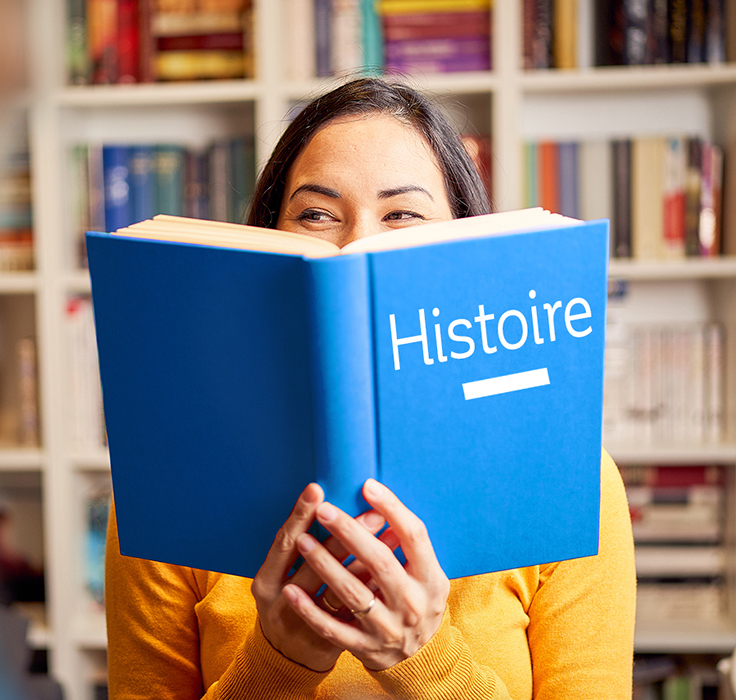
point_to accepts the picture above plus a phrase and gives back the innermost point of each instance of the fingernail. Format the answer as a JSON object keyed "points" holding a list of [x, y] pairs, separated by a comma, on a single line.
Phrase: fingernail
{"points": [[305, 543], [373, 520], [310, 494], [290, 594], [326, 512], [372, 488]]}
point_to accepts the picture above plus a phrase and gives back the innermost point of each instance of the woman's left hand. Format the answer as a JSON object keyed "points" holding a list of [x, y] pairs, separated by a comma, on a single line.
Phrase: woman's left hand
{"points": [[410, 600]]}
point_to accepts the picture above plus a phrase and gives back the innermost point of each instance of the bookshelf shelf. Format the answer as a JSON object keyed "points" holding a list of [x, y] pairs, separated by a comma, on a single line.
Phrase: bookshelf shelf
{"points": [[685, 638], [90, 632], [19, 282], [690, 268], [159, 94], [77, 282], [97, 461], [21, 459], [672, 454], [621, 78]]}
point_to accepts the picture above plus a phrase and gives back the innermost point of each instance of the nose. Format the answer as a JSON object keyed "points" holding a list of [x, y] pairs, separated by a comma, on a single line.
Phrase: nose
{"points": [[361, 227]]}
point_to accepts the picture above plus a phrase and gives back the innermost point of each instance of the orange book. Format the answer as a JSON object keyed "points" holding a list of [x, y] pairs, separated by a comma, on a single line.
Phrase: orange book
{"points": [[549, 174]]}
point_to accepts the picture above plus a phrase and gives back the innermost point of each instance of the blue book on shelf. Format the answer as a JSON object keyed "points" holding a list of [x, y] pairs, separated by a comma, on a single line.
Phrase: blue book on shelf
{"points": [[143, 182], [116, 177], [466, 375]]}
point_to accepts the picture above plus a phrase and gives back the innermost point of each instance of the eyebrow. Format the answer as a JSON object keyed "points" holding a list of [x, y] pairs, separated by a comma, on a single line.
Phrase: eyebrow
{"points": [[385, 194], [319, 189]]}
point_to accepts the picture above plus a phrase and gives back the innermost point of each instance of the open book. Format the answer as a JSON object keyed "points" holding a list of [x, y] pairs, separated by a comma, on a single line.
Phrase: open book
{"points": [[459, 363]]}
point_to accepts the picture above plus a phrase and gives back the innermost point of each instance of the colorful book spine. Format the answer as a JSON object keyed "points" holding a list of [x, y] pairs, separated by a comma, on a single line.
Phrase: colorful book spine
{"points": [[142, 167], [76, 43], [549, 173], [323, 36], [103, 40], [169, 163], [372, 37], [117, 190], [128, 48]]}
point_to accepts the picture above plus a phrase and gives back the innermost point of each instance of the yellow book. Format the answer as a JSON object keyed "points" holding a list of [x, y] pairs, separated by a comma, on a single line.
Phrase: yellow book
{"points": [[406, 7], [565, 34]]}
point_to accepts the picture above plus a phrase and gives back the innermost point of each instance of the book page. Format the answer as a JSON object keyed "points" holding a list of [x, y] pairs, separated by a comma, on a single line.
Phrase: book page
{"points": [[217, 233]]}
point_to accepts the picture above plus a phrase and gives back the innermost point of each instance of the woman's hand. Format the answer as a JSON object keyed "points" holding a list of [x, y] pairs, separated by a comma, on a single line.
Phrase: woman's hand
{"points": [[410, 600], [283, 628]]}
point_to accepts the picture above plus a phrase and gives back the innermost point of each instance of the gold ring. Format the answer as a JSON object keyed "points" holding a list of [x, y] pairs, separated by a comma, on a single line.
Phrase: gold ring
{"points": [[330, 608], [360, 614]]}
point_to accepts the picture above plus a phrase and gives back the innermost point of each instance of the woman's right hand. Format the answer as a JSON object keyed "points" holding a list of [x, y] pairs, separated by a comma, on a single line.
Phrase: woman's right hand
{"points": [[282, 626]]}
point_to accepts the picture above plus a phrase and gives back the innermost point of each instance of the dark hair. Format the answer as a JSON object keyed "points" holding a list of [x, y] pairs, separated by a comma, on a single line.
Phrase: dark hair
{"points": [[465, 191]]}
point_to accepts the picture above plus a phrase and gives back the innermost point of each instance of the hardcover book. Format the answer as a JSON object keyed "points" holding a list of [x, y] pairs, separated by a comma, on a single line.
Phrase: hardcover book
{"points": [[459, 363]]}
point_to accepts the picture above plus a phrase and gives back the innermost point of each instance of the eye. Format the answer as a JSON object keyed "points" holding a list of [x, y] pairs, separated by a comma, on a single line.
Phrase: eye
{"points": [[316, 215], [402, 216]]}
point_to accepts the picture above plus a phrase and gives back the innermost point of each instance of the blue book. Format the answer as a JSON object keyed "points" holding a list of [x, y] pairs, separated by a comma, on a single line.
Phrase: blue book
{"points": [[459, 365], [143, 182], [116, 178]]}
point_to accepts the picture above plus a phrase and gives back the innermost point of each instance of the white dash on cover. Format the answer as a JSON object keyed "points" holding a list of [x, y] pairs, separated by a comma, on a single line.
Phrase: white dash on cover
{"points": [[506, 383]]}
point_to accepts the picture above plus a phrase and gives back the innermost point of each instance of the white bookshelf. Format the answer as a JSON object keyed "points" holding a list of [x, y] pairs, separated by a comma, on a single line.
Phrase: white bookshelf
{"points": [[511, 104]]}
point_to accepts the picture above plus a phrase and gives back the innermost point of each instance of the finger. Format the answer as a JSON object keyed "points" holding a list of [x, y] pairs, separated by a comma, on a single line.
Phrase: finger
{"points": [[283, 552], [308, 580], [421, 559], [375, 555], [337, 631], [351, 591]]}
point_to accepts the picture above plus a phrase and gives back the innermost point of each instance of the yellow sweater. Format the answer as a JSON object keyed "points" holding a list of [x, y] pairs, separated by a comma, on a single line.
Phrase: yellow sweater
{"points": [[561, 630]]}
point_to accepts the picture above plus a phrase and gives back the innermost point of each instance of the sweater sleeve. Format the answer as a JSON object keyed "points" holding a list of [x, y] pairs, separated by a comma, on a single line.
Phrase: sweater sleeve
{"points": [[581, 625], [581, 620], [154, 645]]}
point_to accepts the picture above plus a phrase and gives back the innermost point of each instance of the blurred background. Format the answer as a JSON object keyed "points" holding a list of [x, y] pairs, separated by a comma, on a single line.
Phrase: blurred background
{"points": [[114, 110]]}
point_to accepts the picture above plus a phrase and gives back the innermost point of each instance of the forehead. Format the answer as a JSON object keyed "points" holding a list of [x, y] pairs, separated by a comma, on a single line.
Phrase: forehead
{"points": [[374, 144]]}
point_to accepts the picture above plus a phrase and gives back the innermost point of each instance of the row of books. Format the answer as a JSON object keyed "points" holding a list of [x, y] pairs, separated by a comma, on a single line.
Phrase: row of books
{"points": [[658, 677], [116, 185], [663, 384], [572, 34], [16, 216], [678, 520], [663, 195], [97, 496], [335, 37], [131, 41], [631, 32]]}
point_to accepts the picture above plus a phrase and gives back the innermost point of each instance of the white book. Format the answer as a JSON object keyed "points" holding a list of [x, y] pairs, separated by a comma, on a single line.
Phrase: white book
{"points": [[300, 61], [714, 383], [596, 180]]}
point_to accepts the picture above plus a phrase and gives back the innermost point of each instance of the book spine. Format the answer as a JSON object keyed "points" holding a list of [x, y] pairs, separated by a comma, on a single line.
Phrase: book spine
{"points": [[143, 182], [103, 40], [636, 15], [169, 180], [715, 41], [568, 179], [118, 205], [219, 167], [674, 198], [199, 65], [549, 196], [542, 36], [388, 7], [76, 43], [197, 169], [322, 34], [341, 350], [678, 45], [564, 40], [145, 41], [693, 189], [128, 41], [96, 189], [457, 24], [372, 37], [529, 28], [28, 392], [657, 44], [238, 199], [299, 36], [696, 31], [346, 42], [195, 42], [621, 198]]}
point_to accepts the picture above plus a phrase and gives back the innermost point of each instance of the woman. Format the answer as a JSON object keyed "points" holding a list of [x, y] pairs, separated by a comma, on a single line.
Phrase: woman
{"points": [[367, 158]]}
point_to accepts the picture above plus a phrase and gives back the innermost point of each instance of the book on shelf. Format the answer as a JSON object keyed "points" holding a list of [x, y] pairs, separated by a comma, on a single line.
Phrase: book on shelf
{"points": [[633, 32], [266, 360], [678, 677], [96, 499], [663, 194], [113, 185], [131, 41]]}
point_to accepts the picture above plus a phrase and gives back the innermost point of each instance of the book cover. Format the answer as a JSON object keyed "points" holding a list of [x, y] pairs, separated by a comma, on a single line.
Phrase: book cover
{"points": [[232, 378]]}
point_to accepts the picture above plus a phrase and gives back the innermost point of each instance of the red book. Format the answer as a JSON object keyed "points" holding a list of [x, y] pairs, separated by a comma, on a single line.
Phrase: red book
{"points": [[145, 42], [128, 37], [102, 30], [549, 192], [436, 25], [195, 42]]}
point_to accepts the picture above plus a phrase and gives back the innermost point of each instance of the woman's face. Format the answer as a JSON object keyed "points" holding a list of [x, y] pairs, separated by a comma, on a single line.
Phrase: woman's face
{"points": [[363, 175]]}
